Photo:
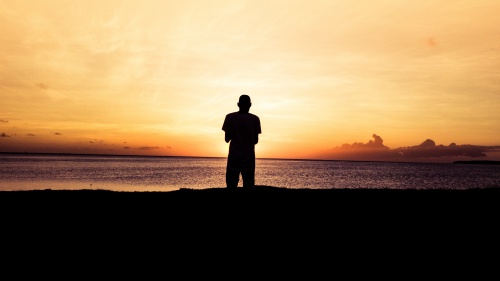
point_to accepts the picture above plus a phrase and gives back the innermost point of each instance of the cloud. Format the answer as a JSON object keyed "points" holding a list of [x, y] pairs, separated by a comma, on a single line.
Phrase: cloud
{"points": [[375, 150], [143, 147], [57, 134], [428, 148], [431, 42], [4, 121], [4, 135], [428, 143], [376, 143], [31, 135], [41, 86], [148, 147]]}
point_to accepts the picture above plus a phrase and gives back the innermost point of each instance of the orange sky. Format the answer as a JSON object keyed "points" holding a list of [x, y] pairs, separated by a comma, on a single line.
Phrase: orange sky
{"points": [[158, 77]]}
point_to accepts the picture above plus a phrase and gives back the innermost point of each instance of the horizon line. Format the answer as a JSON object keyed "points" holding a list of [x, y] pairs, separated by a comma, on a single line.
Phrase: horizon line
{"points": [[262, 158]]}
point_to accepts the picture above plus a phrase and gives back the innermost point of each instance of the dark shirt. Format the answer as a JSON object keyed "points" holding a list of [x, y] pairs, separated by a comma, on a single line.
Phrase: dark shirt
{"points": [[243, 129]]}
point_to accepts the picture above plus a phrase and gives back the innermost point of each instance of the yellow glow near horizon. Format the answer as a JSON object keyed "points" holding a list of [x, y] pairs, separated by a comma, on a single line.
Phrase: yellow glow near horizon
{"points": [[158, 77]]}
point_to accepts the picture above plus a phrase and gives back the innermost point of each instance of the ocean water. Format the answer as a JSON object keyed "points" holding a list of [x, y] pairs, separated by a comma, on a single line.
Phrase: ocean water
{"points": [[146, 173]]}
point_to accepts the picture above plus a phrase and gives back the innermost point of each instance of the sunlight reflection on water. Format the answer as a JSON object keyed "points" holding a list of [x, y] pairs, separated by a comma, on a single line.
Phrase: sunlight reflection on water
{"points": [[127, 173]]}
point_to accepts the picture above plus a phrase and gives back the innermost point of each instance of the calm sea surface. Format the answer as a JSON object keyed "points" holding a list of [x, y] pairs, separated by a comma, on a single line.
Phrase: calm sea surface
{"points": [[136, 173]]}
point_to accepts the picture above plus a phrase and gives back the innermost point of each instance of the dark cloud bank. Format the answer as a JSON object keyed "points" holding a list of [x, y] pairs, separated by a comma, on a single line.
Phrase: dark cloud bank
{"points": [[425, 151]]}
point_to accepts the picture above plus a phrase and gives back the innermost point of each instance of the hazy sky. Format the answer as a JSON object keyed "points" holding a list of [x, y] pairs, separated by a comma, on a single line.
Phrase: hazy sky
{"points": [[158, 77]]}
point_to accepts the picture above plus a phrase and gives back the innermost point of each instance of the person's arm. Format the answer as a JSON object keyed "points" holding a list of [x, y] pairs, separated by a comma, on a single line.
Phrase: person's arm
{"points": [[257, 131], [226, 128]]}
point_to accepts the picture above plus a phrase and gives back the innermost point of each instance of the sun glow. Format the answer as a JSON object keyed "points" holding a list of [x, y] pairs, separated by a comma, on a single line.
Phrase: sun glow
{"points": [[158, 77]]}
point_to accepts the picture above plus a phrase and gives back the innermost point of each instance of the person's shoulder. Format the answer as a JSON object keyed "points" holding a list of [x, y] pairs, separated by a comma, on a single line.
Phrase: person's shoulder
{"points": [[254, 116], [231, 114]]}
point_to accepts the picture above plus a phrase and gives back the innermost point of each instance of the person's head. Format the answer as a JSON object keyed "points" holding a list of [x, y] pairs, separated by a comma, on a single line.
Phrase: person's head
{"points": [[244, 103]]}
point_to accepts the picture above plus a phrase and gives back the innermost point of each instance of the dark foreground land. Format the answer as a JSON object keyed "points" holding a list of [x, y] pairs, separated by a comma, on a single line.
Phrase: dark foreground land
{"points": [[262, 226], [259, 205]]}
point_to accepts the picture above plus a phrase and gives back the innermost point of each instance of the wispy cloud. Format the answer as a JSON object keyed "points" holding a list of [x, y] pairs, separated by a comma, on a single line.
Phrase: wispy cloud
{"points": [[148, 147], [145, 147], [4, 135], [317, 70], [96, 141], [41, 86], [431, 42]]}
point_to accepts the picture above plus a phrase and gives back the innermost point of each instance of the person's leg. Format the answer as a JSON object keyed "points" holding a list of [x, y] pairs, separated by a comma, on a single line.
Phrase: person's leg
{"points": [[232, 178], [248, 178]]}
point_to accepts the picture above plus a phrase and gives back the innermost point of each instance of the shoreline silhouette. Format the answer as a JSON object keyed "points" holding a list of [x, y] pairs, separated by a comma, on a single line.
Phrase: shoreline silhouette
{"points": [[364, 197], [201, 217]]}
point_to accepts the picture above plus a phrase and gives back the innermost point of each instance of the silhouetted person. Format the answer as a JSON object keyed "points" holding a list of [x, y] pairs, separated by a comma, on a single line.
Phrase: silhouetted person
{"points": [[242, 130]]}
